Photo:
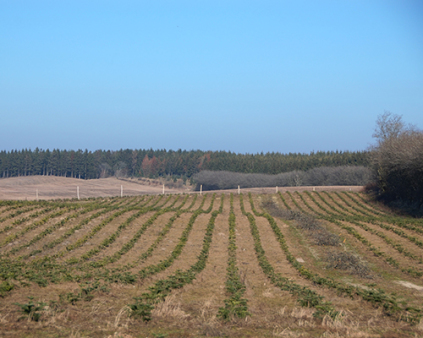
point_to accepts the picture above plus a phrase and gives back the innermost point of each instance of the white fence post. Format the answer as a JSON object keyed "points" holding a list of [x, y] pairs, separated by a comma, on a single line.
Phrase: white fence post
{"points": [[201, 189], [77, 191], [239, 190], [36, 193], [163, 189], [121, 191]]}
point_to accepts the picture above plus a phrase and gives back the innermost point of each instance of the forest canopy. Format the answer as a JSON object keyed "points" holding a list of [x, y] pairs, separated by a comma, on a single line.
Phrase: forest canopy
{"points": [[155, 163]]}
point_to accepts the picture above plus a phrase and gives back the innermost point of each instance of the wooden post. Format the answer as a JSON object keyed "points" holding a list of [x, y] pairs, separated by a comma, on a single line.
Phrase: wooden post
{"points": [[121, 191], [163, 189], [77, 191], [239, 190], [36, 193], [314, 188], [201, 189]]}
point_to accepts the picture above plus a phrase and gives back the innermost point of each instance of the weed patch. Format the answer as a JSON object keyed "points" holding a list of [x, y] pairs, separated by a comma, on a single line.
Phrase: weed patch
{"points": [[346, 261]]}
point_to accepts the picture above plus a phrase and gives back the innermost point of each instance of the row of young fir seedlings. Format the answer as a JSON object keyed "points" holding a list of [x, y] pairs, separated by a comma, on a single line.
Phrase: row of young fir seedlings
{"points": [[20, 207], [235, 305], [116, 273], [305, 296], [96, 229], [120, 274], [374, 221], [144, 304], [63, 208], [332, 217], [85, 221], [368, 205], [335, 220], [20, 210], [108, 241], [56, 205], [377, 297], [116, 276], [41, 271], [85, 209], [112, 238], [41, 208], [413, 225], [164, 264], [129, 245], [14, 236], [82, 209], [45, 270]]}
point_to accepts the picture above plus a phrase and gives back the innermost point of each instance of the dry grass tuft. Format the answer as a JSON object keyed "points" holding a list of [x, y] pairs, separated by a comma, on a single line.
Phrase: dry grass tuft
{"points": [[349, 333], [211, 330], [120, 335], [268, 293], [75, 334], [286, 332], [342, 326], [169, 309], [207, 310], [3, 318], [302, 313], [125, 311], [209, 325]]}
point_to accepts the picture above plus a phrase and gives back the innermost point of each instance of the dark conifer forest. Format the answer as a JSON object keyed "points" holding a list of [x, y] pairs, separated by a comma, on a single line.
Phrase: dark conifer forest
{"points": [[155, 163]]}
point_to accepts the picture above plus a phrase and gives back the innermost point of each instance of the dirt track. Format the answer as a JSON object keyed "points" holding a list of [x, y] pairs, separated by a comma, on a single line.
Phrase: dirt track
{"points": [[53, 187]]}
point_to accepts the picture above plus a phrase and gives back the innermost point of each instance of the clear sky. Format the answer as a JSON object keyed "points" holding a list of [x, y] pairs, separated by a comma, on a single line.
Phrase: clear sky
{"points": [[243, 76]]}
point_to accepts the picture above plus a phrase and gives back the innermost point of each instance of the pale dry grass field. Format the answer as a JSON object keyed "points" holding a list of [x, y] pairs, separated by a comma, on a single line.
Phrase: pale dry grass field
{"points": [[54, 187]]}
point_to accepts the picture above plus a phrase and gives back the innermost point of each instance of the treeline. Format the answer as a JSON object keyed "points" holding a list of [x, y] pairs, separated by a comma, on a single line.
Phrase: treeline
{"points": [[344, 175], [155, 163], [397, 160]]}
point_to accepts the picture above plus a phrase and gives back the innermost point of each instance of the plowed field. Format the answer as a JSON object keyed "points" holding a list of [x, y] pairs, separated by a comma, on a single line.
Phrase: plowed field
{"points": [[291, 264]]}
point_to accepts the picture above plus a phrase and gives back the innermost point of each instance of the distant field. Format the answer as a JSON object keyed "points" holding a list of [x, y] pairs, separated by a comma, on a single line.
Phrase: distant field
{"points": [[290, 264], [54, 187]]}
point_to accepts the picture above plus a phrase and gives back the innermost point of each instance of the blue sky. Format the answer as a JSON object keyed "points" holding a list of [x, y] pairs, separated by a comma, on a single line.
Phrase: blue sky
{"points": [[243, 76]]}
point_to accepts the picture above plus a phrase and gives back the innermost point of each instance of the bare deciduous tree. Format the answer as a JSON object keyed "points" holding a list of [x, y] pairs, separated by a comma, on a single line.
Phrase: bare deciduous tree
{"points": [[105, 170], [397, 160], [120, 169], [388, 125], [344, 175]]}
